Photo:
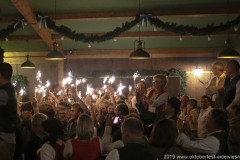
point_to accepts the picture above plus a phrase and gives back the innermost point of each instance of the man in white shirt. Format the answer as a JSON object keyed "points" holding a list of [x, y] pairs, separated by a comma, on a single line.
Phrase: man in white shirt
{"points": [[206, 108], [214, 143], [216, 87]]}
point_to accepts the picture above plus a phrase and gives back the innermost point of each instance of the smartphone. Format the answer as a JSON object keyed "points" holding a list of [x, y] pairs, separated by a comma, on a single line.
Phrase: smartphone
{"points": [[117, 120]]}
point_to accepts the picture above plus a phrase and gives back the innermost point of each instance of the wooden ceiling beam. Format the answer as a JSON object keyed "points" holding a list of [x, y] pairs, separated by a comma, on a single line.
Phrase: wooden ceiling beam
{"points": [[198, 12], [28, 13], [154, 53], [149, 34]]}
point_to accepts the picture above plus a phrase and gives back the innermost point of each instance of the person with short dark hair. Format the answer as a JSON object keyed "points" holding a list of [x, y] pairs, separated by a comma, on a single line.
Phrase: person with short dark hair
{"points": [[232, 85], [216, 141], [134, 145], [8, 112], [205, 109]]}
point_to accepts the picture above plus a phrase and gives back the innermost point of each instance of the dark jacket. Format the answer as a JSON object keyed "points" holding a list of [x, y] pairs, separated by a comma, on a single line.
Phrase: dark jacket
{"points": [[135, 152], [33, 144], [8, 113], [230, 90]]}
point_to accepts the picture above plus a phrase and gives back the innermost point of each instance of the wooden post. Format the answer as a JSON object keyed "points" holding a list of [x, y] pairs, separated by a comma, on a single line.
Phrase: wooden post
{"points": [[60, 70], [1, 55]]}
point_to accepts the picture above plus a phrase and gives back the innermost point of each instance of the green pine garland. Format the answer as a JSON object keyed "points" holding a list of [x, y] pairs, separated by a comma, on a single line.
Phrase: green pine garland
{"points": [[172, 27], [21, 79], [170, 72]]}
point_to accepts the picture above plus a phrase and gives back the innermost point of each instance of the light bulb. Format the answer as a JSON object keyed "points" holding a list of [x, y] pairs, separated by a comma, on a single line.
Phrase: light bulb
{"points": [[62, 38], [181, 38], [6, 39], [114, 39], [89, 45], [235, 29], [208, 38], [155, 29]]}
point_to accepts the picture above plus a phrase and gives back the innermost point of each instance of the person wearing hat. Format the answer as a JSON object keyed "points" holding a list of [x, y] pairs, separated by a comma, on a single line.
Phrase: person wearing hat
{"points": [[53, 149], [171, 110]]}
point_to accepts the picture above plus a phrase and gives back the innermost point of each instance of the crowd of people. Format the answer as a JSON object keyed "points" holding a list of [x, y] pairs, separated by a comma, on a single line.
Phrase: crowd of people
{"points": [[145, 125]]}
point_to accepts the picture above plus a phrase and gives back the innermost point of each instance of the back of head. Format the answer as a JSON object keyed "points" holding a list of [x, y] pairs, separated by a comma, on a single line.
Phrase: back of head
{"points": [[78, 107], [53, 126], [37, 120], [133, 126], [133, 115], [219, 117], [164, 133], [47, 109], [6, 71], [64, 104], [123, 108], [85, 128], [27, 106], [218, 65]]}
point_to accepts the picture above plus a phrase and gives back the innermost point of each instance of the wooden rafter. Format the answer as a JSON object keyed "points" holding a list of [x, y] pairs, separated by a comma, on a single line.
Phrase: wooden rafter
{"points": [[28, 13], [130, 14]]}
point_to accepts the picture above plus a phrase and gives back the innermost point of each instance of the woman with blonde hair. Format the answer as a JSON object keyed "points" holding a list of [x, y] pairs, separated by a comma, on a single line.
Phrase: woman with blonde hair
{"points": [[85, 146]]}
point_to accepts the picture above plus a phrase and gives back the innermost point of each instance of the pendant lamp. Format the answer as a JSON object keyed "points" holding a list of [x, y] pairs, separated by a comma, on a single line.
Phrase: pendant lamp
{"points": [[228, 52]]}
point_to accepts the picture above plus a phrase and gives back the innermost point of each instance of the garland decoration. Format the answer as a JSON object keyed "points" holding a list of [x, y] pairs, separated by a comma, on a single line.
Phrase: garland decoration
{"points": [[144, 73], [171, 27], [193, 30]]}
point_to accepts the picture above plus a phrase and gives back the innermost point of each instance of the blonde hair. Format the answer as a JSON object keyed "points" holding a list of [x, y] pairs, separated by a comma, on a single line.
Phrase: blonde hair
{"points": [[162, 78], [85, 128], [218, 65]]}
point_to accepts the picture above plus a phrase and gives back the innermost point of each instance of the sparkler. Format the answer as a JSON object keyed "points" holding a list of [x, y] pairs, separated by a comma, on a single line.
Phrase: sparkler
{"points": [[120, 88], [111, 80], [89, 89], [105, 79], [22, 91], [130, 88], [14, 83]]}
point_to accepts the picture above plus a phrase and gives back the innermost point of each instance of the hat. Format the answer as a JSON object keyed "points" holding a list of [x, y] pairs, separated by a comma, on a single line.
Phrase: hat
{"points": [[53, 126], [174, 102]]}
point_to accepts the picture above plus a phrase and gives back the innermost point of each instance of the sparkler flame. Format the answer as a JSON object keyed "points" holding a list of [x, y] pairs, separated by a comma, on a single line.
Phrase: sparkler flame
{"points": [[136, 74], [111, 80]]}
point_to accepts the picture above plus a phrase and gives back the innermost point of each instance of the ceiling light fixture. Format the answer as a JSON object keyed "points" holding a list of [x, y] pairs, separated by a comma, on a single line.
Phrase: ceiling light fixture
{"points": [[139, 53], [228, 52], [27, 64], [55, 54]]}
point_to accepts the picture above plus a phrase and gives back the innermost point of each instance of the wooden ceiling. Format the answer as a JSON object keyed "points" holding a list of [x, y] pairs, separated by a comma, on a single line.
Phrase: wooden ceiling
{"points": [[98, 17]]}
